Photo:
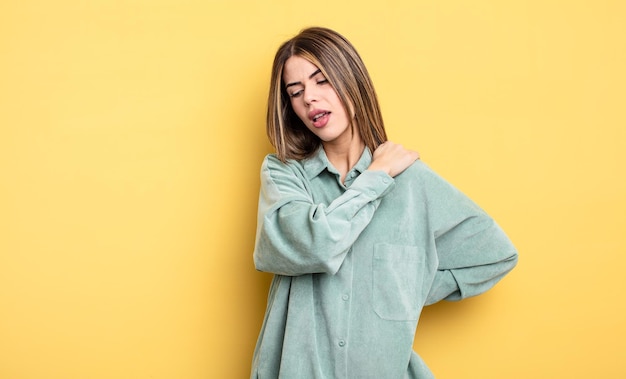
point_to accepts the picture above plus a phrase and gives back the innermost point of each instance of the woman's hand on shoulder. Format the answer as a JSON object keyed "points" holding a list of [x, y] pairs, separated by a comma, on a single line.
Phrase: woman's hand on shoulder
{"points": [[392, 158]]}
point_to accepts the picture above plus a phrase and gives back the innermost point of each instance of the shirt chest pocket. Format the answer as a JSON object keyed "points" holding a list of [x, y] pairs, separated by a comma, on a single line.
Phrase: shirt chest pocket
{"points": [[397, 273]]}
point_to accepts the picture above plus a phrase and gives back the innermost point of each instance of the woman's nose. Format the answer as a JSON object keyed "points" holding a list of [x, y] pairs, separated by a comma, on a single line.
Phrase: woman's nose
{"points": [[310, 96]]}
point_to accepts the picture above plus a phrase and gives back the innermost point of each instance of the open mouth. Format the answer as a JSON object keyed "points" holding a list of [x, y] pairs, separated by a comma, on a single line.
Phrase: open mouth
{"points": [[319, 115]]}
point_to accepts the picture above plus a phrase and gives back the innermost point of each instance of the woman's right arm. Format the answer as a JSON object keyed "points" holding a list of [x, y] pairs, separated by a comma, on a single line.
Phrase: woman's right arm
{"points": [[297, 236]]}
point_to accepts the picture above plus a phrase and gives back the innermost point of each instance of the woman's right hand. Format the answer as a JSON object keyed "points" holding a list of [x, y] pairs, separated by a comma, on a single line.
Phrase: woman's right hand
{"points": [[392, 158]]}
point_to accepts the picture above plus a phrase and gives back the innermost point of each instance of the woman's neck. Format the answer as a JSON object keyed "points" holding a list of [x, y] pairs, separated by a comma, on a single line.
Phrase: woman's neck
{"points": [[343, 156]]}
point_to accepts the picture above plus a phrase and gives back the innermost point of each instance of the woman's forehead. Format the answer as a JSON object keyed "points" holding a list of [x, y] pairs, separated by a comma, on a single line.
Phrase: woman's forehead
{"points": [[298, 68]]}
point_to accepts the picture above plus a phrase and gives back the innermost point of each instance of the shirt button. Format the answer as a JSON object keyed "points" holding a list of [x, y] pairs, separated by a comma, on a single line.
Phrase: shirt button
{"points": [[385, 180], [373, 193], [345, 297], [341, 343]]}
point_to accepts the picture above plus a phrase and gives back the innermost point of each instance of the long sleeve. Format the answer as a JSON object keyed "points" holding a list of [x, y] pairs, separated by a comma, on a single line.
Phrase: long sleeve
{"points": [[472, 250], [296, 235]]}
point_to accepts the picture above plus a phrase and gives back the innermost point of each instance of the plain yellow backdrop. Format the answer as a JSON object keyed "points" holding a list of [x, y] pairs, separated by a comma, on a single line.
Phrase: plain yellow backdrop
{"points": [[131, 134]]}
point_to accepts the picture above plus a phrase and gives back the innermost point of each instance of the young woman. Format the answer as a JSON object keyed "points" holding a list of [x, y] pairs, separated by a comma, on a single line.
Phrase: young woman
{"points": [[359, 234]]}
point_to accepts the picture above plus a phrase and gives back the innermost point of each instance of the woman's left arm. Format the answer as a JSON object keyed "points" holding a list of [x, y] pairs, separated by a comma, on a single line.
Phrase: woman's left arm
{"points": [[473, 252]]}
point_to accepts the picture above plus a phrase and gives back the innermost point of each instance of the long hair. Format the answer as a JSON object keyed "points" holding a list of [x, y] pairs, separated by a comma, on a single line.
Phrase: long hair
{"points": [[342, 66]]}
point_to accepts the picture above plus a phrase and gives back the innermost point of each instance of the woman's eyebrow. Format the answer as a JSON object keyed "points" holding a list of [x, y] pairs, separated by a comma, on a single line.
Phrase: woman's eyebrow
{"points": [[310, 77]]}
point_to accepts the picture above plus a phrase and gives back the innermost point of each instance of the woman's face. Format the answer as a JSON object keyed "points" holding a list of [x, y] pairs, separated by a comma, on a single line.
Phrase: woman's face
{"points": [[315, 101]]}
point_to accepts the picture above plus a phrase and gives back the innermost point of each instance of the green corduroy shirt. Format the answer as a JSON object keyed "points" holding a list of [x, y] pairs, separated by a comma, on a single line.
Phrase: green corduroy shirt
{"points": [[355, 263]]}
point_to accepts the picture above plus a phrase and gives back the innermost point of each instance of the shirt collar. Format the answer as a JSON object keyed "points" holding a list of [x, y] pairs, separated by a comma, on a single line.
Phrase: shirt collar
{"points": [[318, 162]]}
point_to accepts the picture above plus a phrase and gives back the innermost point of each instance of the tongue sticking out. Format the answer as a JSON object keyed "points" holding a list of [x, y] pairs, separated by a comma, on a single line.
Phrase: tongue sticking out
{"points": [[321, 120]]}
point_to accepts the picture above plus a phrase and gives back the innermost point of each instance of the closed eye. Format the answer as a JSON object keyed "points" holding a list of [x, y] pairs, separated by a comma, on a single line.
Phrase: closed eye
{"points": [[298, 93], [295, 94]]}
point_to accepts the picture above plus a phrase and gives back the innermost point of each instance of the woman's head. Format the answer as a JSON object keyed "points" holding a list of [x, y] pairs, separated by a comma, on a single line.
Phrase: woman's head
{"points": [[340, 64]]}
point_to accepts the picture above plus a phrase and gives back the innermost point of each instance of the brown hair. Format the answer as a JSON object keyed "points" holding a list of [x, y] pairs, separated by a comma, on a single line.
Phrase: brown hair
{"points": [[342, 66]]}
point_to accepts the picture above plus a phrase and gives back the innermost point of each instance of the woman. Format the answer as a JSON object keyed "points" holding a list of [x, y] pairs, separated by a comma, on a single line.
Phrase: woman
{"points": [[359, 233]]}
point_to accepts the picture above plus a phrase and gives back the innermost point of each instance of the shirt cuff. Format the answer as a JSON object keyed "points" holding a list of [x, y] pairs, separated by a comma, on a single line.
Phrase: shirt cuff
{"points": [[373, 184]]}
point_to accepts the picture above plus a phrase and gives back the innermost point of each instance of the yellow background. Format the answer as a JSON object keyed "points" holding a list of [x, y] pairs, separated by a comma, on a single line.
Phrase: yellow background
{"points": [[131, 137]]}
